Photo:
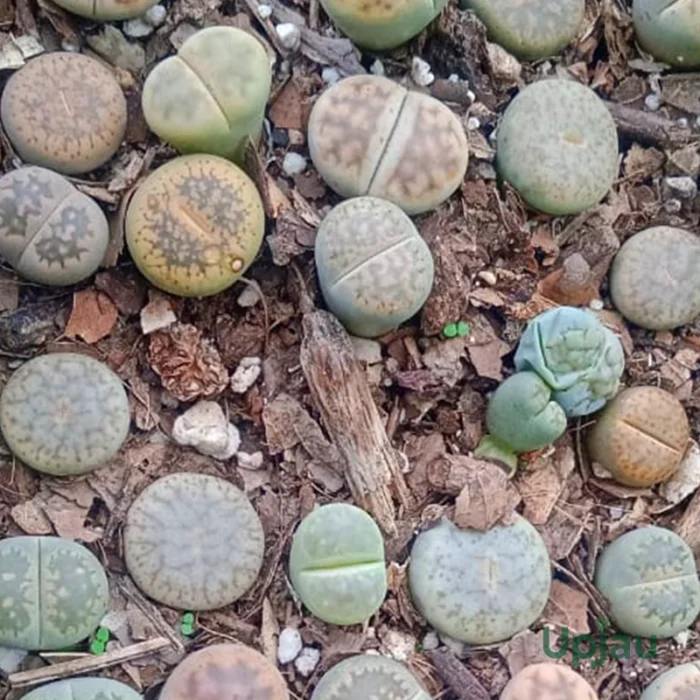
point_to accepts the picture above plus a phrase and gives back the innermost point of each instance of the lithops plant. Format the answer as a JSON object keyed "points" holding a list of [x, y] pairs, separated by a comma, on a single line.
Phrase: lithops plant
{"points": [[64, 413], [107, 10], [370, 136], [480, 587], [557, 145], [54, 593], [195, 225], [84, 689], [64, 111], [653, 278], [649, 578], [374, 269], [547, 681], [337, 564], [680, 683], [211, 97], [225, 671], [193, 542]]}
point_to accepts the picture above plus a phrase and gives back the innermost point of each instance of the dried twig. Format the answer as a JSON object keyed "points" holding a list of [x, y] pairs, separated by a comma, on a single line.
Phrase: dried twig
{"points": [[649, 127], [456, 675]]}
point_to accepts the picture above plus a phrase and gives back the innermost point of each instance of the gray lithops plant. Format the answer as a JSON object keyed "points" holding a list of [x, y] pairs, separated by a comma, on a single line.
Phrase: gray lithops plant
{"points": [[374, 269], [193, 542], [649, 577], [84, 689], [54, 593], [107, 10], [337, 564], [680, 683], [64, 413], [480, 587], [557, 145], [545, 681]]}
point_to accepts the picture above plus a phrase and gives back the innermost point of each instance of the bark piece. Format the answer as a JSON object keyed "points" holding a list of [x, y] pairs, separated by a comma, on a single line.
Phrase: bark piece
{"points": [[457, 676]]}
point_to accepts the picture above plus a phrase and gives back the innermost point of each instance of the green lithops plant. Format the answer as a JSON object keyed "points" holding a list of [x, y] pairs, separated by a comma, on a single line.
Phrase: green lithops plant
{"points": [[653, 278], [64, 413], [374, 269], [211, 96], [64, 111], [195, 225], [680, 683], [557, 145], [337, 564], [193, 542], [84, 689], [545, 681], [480, 587], [371, 136], [54, 593], [107, 10], [649, 578]]}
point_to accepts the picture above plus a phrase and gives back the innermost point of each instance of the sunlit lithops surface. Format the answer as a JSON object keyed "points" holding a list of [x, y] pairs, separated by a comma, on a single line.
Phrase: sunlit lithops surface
{"points": [[195, 225], [84, 689], [210, 97], [107, 10], [548, 682], [337, 564], [225, 671], [64, 413], [64, 111], [480, 587], [653, 279], [193, 542], [374, 269], [370, 136], [648, 575], [54, 593], [557, 145], [680, 683]]}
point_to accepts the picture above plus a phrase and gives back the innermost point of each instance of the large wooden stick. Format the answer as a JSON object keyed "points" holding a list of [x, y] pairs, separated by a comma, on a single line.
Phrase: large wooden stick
{"points": [[648, 126]]}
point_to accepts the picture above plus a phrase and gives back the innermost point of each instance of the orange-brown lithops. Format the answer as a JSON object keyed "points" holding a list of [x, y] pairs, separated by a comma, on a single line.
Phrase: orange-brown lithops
{"points": [[64, 111], [370, 136], [548, 682], [641, 436]]}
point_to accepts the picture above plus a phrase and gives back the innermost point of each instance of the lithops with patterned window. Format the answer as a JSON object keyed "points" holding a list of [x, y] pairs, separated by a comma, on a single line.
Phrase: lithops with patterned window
{"points": [[84, 689], [680, 683]]}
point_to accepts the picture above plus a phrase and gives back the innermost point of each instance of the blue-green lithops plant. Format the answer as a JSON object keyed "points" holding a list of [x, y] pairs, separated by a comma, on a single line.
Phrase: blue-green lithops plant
{"points": [[557, 145], [480, 587], [337, 564], [211, 96], [680, 683], [54, 593], [649, 578], [84, 689], [107, 10], [64, 413], [374, 269], [576, 356]]}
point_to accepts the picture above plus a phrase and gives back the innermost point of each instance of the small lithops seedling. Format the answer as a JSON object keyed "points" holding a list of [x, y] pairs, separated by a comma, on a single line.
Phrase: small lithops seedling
{"points": [[370, 136], [64, 111], [84, 689], [193, 542], [374, 269], [225, 671], [195, 225], [680, 683], [369, 676], [211, 97], [649, 578], [575, 355], [107, 10], [557, 145], [337, 564], [641, 436], [480, 587], [548, 682], [64, 413], [54, 593], [653, 279]]}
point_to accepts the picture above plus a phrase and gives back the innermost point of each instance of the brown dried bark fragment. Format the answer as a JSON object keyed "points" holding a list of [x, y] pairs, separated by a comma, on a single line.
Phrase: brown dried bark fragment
{"points": [[457, 676]]}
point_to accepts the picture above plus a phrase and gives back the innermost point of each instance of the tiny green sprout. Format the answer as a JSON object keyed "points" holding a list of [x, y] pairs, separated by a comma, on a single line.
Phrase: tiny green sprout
{"points": [[98, 644], [456, 330], [187, 626], [462, 329]]}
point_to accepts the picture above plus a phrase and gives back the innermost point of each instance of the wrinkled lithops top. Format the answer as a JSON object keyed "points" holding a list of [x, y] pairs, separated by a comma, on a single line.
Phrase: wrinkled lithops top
{"points": [[369, 676], [64, 413], [579, 358], [193, 542], [225, 671], [653, 279], [210, 97], [195, 225], [557, 145], [50, 232], [84, 689], [547, 681], [337, 564], [480, 587], [53, 591], [648, 575], [107, 10], [680, 683], [370, 136], [374, 268], [64, 111]]}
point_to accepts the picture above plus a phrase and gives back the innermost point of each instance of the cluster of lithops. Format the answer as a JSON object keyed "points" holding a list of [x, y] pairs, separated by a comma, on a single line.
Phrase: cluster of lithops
{"points": [[680, 683], [545, 681], [107, 10], [84, 689]]}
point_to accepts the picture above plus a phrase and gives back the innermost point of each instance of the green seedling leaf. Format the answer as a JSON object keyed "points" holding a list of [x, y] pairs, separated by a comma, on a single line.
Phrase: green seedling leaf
{"points": [[463, 329], [450, 330]]}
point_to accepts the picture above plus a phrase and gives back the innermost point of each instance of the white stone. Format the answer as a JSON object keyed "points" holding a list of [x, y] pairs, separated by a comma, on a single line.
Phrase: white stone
{"points": [[673, 206], [488, 276], [289, 35], [596, 304], [251, 462], [377, 68], [398, 645], [155, 15], [421, 73], [471, 96], [157, 314], [264, 11], [366, 350], [431, 641], [683, 187], [473, 123], [246, 374], [652, 102], [289, 645], [248, 297], [307, 661], [293, 164], [454, 78], [330, 75], [137, 28], [204, 427], [682, 122]]}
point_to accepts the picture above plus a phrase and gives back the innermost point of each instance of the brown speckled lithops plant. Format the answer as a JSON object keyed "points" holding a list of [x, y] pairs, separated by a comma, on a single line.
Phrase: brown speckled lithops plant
{"points": [[680, 683], [64, 413], [107, 10], [64, 111], [84, 689], [548, 682], [193, 542], [370, 136], [195, 225]]}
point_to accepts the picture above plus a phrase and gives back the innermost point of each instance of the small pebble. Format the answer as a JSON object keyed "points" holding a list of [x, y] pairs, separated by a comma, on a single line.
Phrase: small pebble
{"points": [[137, 28], [330, 76], [280, 137], [246, 374], [431, 641], [289, 645], [488, 277], [673, 206], [248, 298], [293, 164], [250, 461], [205, 427], [289, 35], [473, 123], [596, 304], [471, 96], [307, 661], [296, 137], [454, 78], [682, 122], [377, 68], [652, 102], [366, 350], [264, 11], [683, 187], [421, 72], [70, 46], [155, 15]]}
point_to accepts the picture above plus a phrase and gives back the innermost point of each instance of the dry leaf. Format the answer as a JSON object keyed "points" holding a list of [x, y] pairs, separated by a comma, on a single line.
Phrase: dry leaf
{"points": [[567, 607], [287, 111], [686, 480], [93, 317], [689, 526], [523, 650], [564, 528]]}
